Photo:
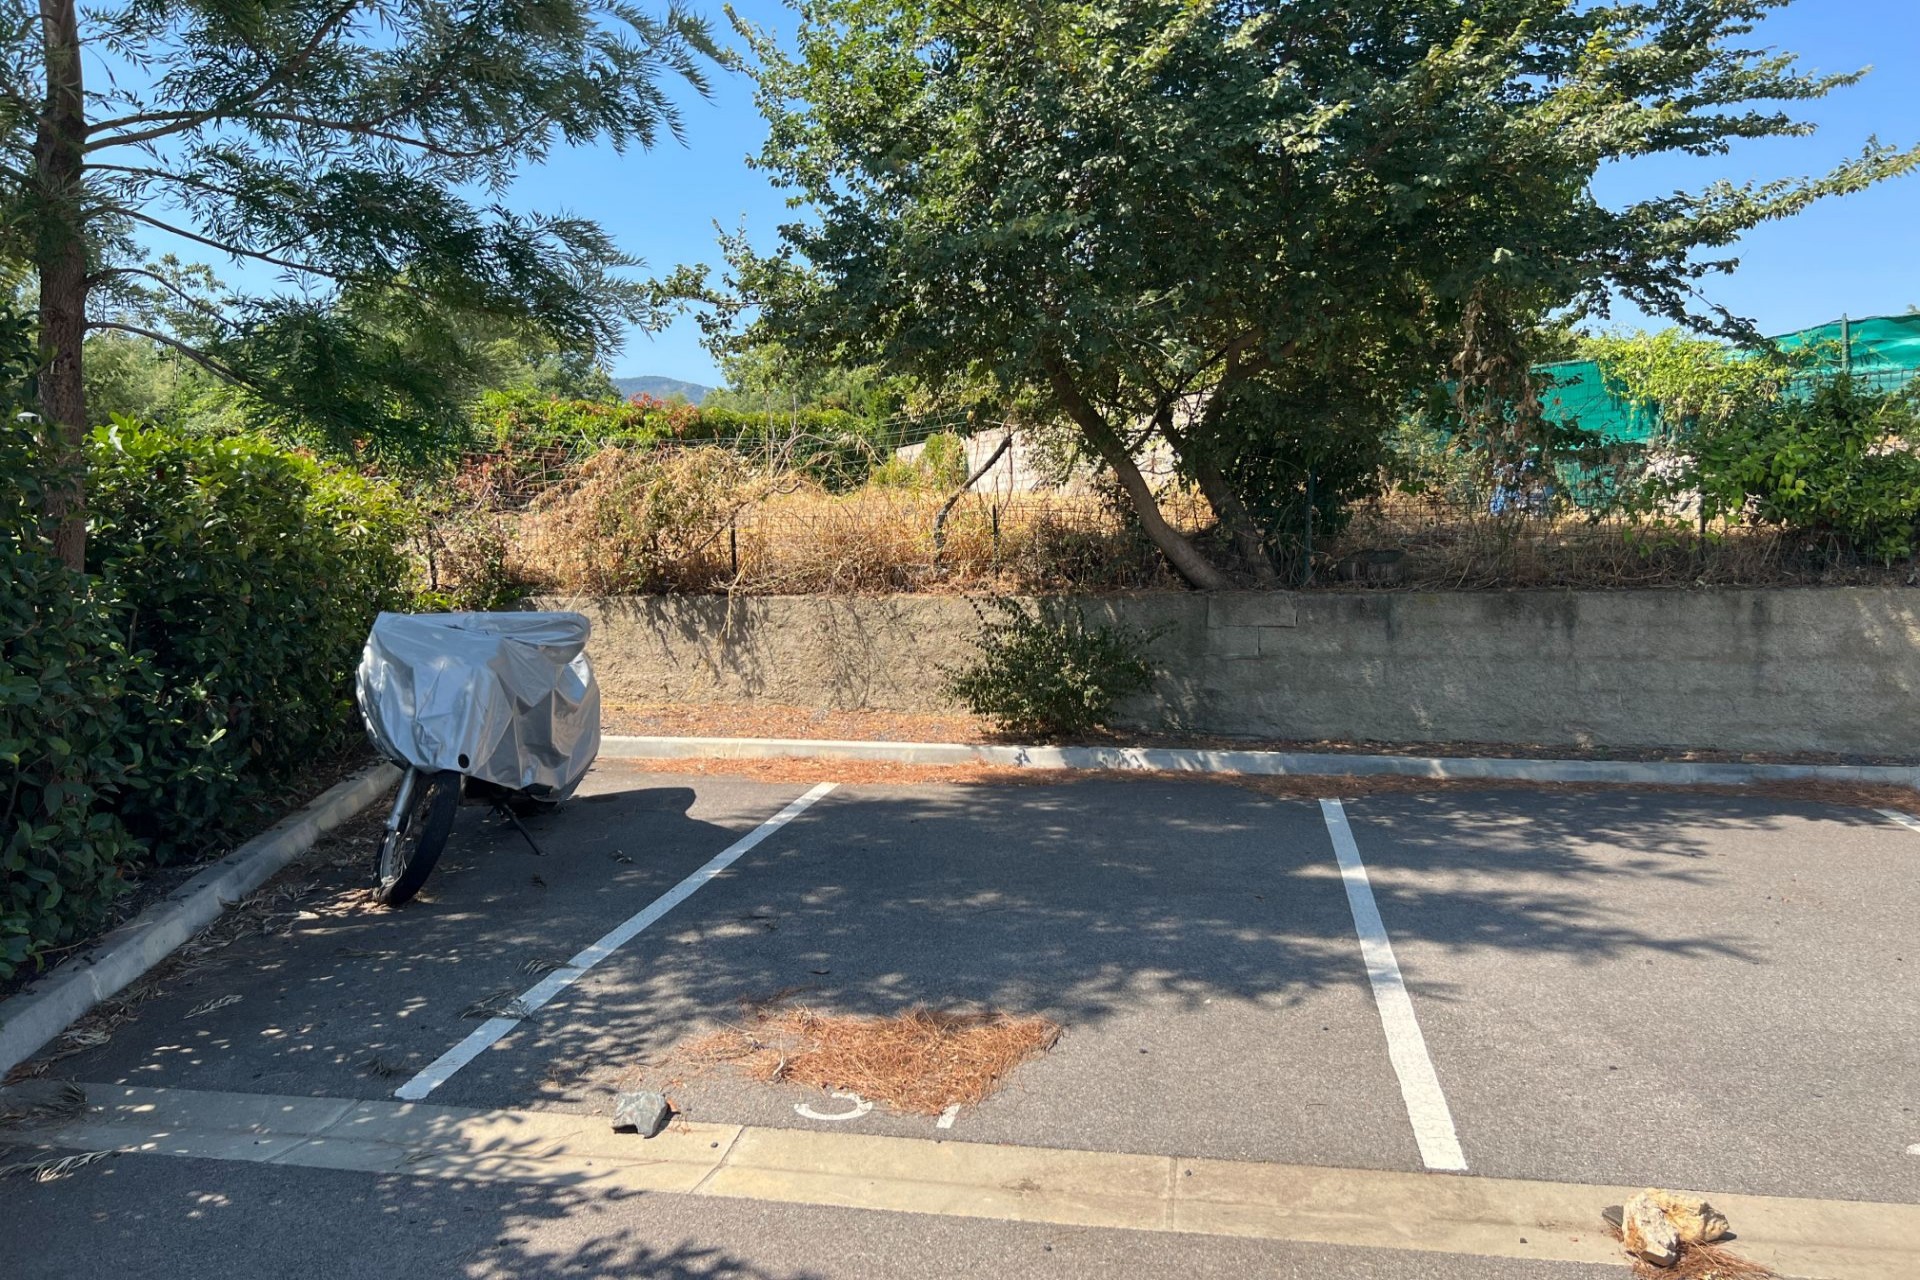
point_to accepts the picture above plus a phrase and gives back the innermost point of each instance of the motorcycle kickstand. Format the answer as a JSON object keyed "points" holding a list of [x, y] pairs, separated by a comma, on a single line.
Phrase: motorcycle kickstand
{"points": [[526, 835]]}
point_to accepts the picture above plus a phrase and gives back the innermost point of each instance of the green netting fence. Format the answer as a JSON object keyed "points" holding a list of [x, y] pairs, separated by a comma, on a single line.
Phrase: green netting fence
{"points": [[1881, 350]]}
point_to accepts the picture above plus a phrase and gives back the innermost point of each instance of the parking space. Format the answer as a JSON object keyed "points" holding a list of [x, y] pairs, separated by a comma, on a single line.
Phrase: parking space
{"points": [[1609, 987], [1191, 939], [1697, 990], [347, 1000]]}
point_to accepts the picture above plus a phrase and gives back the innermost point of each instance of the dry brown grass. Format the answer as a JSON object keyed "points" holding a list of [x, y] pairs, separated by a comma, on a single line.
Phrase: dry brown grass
{"points": [[921, 1061], [703, 520], [706, 519], [1450, 544]]}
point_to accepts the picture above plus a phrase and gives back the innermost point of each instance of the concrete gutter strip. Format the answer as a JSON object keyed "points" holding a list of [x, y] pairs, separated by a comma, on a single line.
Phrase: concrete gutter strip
{"points": [[32, 1018], [1373, 1208], [1261, 763]]}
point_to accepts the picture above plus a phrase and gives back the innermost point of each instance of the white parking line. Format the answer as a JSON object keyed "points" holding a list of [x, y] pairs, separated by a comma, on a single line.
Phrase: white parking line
{"points": [[1406, 1047], [489, 1033], [1906, 820]]}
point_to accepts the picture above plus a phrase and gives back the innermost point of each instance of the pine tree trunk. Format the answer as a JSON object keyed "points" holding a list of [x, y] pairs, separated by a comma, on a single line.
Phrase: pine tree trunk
{"points": [[61, 256], [1182, 554]]}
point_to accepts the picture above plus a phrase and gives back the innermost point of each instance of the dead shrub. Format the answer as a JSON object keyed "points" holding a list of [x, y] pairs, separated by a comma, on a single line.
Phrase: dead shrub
{"points": [[472, 560], [637, 520]]}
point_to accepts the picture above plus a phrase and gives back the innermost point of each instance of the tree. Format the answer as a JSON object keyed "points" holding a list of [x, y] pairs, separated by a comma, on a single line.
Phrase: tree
{"points": [[763, 376], [349, 145], [1252, 228]]}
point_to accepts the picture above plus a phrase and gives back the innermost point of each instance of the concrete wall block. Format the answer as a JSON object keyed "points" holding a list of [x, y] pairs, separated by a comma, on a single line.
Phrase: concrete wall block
{"points": [[1229, 609]]}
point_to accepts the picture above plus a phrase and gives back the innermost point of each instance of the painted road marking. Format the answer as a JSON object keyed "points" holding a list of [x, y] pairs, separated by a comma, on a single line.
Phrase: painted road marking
{"points": [[490, 1032], [1906, 820], [1406, 1047], [860, 1108], [1371, 1208]]}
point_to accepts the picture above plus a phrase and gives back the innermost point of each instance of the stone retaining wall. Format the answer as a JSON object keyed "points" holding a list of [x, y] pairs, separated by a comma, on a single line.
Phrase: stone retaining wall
{"points": [[1834, 670]]}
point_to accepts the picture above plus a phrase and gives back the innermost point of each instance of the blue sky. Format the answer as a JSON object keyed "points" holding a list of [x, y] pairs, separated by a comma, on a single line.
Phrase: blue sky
{"points": [[1860, 255]]}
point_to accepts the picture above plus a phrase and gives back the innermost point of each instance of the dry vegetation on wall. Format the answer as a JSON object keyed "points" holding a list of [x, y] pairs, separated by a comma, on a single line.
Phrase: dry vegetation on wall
{"points": [[706, 519], [1422, 542]]}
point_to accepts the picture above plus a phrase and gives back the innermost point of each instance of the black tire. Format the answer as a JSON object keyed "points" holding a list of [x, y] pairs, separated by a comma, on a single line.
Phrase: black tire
{"points": [[405, 857]]}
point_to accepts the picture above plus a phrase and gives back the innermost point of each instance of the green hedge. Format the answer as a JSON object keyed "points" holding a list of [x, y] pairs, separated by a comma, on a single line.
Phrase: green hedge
{"points": [[63, 732], [147, 707], [251, 575]]}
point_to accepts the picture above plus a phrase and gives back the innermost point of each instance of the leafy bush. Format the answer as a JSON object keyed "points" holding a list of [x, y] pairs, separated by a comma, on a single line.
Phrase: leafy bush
{"points": [[832, 447], [529, 433], [1835, 463], [63, 739], [250, 576], [525, 421], [470, 562], [1046, 674], [939, 467], [1686, 378]]}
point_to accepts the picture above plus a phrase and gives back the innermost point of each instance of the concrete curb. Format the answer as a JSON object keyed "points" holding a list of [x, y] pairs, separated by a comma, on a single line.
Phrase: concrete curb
{"points": [[48, 1006], [1262, 763], [1470, 1216]]}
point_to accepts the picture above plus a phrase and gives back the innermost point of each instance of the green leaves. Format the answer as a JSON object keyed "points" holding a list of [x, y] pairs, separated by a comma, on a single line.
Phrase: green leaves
{"points": [[1831, 462], [358, 151], [1042, 673], [251, 575], [1311, 207], [63, 731]]}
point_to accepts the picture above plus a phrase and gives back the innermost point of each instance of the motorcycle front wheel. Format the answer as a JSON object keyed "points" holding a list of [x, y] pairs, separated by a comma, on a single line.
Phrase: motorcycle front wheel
{"points": [[413, 838]]}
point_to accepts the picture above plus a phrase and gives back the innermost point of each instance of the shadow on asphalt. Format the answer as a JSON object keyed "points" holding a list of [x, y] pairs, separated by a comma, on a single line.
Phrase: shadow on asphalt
{"points": [[1085, 901], [241, 1222], [1077, 901]]}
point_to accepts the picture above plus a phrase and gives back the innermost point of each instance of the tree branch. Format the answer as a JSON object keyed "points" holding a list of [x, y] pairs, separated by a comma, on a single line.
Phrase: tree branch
{"points": [[290, 264], [359, 128], [182, 121], [1182, 554], [219, 368], [199, 304]]}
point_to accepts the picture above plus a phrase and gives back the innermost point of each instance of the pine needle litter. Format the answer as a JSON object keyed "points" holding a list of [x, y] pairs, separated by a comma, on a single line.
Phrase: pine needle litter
{"points": [[1702, 1262], [921, 1061]]}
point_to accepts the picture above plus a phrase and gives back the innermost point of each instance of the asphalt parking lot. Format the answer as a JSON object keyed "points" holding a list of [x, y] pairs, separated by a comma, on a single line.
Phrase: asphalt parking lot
{"points": [[1596, 987]]}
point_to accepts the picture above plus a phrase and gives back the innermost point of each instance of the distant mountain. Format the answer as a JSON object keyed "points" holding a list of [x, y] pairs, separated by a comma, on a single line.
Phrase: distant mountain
{"points": [[661, 388]]}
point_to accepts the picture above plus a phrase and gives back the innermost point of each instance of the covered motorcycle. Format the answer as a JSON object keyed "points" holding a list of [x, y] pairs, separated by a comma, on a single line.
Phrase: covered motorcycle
{"points": [[498, 706]]}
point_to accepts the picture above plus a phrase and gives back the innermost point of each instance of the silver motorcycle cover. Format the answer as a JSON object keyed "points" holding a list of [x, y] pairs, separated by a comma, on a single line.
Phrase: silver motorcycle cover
{"points": [[508, 698]]}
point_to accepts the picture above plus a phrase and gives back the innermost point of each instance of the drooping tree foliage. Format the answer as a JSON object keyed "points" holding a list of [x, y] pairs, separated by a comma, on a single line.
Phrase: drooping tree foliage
{"points": [[1250, 228], [357, 148]]}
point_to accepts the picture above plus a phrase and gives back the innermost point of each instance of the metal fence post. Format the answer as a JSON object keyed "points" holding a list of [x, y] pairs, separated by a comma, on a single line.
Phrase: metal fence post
{"points": [[1306, 557]]}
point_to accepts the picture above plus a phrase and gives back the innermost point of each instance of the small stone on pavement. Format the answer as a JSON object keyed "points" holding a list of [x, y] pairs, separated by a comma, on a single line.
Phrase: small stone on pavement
{"points": [[645, 1113]]}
